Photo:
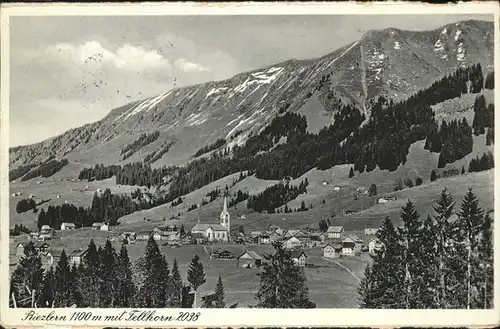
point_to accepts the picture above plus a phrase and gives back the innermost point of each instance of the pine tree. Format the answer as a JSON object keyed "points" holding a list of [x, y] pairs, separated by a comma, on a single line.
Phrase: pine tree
{"points": [[463, 170], [433, 175], [107, 273], [27, 278], [154, 289], [443, 227], [485, 284], [382, 285], [372, 190], [470, 223], [176, 286], [196, 275], [490, 137], [46, 296], [410, 235], [218, 296], [282, 283], [125, 290], [490, 81], [182, 232], [351, 173], [64, 295], [90, 280]]}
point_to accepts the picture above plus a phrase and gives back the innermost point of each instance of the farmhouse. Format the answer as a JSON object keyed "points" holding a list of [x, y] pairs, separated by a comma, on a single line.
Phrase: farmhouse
{"points": [[223, 254], [143, 235], [99, 227], [299, 258], [332, 251], [274, 236], [45, 229], [264, 239], [291, 233], [374, 244], [292, 243], [249, 259], [386, 199], [45, 236], [335, 232], [77, 256], [348, 247], [216, 231], [370, 231], [318, 236], [19, 250], [67, 226], [42, 247]]}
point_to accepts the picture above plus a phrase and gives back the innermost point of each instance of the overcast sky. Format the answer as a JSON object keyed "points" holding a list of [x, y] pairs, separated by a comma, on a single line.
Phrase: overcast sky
{"points": [[68, 71]]}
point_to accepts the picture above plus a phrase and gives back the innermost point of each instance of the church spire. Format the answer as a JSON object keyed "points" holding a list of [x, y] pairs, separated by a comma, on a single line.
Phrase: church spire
{"points": [[224, 207]]}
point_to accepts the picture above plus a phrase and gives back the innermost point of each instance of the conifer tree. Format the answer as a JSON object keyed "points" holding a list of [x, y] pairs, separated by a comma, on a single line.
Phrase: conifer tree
{"points": [[490, 137], [489, 83], [433, 175], [196, 275], [351, 173], [219, 294], [382, 284], [154, 289], [64, 296], [46, 296], [470, 224], [90, 280], [107, 273], [486, 264], [27, 277], [282, 283], [125, 288], [176, 286], [410, 234], [443, 227]]}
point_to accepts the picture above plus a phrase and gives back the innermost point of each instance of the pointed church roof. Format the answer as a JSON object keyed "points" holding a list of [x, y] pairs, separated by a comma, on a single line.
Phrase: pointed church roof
{"points": [[224, 207]]}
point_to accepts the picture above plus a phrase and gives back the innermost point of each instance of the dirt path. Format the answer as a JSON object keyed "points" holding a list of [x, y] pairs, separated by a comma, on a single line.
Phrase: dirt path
{"points": [[344, 267]]}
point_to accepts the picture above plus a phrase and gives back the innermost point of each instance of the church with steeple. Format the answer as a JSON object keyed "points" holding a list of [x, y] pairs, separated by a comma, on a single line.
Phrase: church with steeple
{"points": [[215, 232]]}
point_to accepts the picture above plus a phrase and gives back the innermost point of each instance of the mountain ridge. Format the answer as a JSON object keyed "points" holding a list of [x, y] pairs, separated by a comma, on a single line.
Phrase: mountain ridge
{"points": [[390, 62]]}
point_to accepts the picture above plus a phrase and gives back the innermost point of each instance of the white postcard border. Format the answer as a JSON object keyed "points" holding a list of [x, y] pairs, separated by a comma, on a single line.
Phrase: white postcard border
{"points": [[239, 317]]}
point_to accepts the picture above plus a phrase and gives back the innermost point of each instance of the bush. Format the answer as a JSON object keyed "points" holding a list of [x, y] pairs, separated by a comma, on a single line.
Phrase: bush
{"points": [[418, 181], [25, 205]]}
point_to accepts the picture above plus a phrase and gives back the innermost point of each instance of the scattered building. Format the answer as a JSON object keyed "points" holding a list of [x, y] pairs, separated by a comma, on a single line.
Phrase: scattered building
{"points": [[362, 190], [222, 254], [299, 258], [335, 232], [348, 247], [318, 236], [143, 235], [337, 188], [100, 227], [45, 229], [386, 199], [77, 256], [373, 244], [332, 251], [292, 243], [264, 239], [371, 231], [67, 226], [249, 259]]}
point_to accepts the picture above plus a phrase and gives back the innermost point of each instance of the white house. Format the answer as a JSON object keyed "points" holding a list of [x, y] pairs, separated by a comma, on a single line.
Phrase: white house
{"points": [[45, 229], [332, 251], [335, 232], [337, 188], [348, 247], [100, 227], [386, 199], [299, 258], [292, 243], [374, 244], [370, 231], [67, 226]]}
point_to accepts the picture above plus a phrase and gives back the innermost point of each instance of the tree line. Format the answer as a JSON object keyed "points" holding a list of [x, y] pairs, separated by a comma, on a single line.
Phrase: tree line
{"points": [[20, 171], [46, 169], [158, 154], [105, 278], [106, 207], [25, 205], [441, 261], [137, 144], [276, 196], [205, 149], [485, 162]]}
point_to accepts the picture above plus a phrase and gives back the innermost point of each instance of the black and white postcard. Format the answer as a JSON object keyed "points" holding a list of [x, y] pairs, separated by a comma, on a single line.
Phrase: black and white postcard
{"points": [[300, 164]]}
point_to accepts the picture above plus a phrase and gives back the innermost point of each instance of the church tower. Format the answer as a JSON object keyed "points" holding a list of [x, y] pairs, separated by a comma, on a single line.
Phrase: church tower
{"points": [[225, 219]]}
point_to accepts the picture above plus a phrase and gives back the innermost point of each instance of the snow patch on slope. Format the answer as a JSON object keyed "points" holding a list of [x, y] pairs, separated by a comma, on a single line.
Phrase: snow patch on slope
{"points": [[397, 46], [259, 78], [145, 105]]}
